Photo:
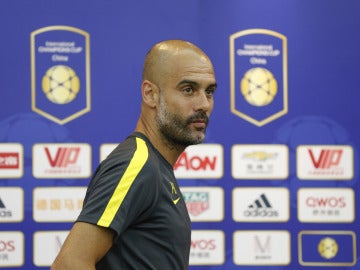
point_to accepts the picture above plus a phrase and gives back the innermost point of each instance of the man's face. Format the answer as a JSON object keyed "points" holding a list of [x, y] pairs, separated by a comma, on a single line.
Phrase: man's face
{"points": [[186, 101]]}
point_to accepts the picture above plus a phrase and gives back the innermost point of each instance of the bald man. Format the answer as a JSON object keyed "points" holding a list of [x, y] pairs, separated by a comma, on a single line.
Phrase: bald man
{"points": [[134, 216]]}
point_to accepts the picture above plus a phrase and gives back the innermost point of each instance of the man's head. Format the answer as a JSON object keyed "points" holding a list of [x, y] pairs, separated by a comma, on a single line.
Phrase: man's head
{"points": [[178, 85]]}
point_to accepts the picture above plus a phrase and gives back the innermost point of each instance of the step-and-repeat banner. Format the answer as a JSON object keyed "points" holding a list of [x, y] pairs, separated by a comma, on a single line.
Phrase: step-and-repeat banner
{"points": [[276, 183]]}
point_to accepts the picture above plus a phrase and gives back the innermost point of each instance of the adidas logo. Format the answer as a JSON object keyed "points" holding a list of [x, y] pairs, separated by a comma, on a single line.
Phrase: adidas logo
{"points": [[4, 213], [261, 207], [2, 205], [261, 202]]}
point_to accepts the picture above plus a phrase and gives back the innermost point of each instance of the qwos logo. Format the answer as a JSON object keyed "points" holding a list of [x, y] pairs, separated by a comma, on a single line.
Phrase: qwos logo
{"points": [[11, 249], [326, 205], [61, 160], [325, 162], [207, 247], [200, 161]]}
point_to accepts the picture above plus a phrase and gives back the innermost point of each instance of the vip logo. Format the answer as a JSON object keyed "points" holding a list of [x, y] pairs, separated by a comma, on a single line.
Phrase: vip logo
{"points": [[327, 158], [262, 247], [325, 162], [326, 205], [61, 160], [196, 202], [266, 204], [207, 247], [65, 156], [11, 160], [200, 161]]}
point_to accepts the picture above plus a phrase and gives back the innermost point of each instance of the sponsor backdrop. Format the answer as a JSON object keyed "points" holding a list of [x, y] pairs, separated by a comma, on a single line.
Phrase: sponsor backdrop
{"points": [[276, 183]]}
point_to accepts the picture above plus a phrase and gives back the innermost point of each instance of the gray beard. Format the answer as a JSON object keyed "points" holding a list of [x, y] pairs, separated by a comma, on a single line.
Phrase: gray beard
{"points": [[175, 130]]}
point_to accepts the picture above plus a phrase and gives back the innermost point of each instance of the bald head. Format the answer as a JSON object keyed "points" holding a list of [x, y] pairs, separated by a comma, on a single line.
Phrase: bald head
{"points": [[162, 56]]}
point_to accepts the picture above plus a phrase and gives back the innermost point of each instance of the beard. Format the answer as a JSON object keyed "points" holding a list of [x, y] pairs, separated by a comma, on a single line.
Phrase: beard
{"points": [[176, 130]]}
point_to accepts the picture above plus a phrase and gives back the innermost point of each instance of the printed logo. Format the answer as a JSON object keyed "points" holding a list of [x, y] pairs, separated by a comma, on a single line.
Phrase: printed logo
{"points": [[261, 204], [196, 202], [174, 193], [47, 245], [260, 161], [326, 162], [325, 205], [207, 247], [327, 248], [262, 248], [61, 160], [11, 160], [106, 149], [58, 204], [11, 204], [204, 203], [11, 249], [258, 71], [60, 72], [200, 161]]}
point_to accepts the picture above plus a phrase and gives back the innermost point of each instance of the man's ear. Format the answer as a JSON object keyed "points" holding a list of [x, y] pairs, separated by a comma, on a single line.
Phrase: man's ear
{"points": [[149, 93]]}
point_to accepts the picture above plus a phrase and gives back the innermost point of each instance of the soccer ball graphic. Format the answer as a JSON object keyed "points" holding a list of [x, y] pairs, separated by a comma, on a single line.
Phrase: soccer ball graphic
{"points": [[60, 84], [258, 86]]}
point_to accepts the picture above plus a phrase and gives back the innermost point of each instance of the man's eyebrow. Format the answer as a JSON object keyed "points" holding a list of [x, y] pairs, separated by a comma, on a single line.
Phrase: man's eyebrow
{"points": [[188, 82], [213, 85]]}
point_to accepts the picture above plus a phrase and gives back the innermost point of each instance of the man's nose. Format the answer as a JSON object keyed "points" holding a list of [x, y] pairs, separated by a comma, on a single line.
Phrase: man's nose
{"points": [[203, 102]]}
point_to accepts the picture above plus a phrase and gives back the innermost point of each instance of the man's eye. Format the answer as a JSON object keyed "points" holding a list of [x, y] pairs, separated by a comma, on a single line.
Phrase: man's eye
{"points": [[209, 92], [188, 90]]}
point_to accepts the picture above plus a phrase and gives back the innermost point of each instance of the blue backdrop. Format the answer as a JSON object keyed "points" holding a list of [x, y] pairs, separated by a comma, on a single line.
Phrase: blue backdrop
{"points": [[318, 67]]}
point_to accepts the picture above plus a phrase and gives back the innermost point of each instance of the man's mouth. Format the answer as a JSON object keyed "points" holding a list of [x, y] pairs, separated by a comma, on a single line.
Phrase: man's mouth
{"points": [[199, 124], [199, 120]]}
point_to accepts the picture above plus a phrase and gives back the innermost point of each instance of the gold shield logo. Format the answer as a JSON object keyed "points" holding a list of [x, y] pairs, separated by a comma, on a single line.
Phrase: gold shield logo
{"points": [[60, 73], [258, 74]]}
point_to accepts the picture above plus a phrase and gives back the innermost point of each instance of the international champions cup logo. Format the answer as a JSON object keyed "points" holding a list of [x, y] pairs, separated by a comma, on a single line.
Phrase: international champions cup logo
{"points": [[258, 69], [61, 84], [258, 86], [60, 72]]}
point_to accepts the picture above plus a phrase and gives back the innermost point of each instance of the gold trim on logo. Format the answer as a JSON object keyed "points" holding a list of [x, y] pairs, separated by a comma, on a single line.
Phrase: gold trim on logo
{"points": [[232, 76], [33, 72]]}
